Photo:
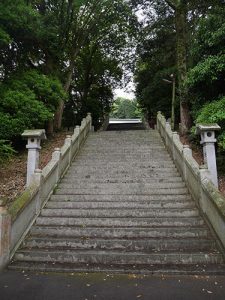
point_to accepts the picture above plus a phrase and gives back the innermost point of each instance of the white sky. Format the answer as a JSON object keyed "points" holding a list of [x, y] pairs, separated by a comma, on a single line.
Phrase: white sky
{"points": [[128, 91]]}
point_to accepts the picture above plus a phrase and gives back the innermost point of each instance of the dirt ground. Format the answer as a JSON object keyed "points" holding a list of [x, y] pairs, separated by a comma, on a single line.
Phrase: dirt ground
{"points": [[13, 172]]}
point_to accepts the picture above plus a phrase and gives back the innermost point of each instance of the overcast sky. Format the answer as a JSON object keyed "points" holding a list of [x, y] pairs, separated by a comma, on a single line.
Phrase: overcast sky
{"points": [[128, 91]]}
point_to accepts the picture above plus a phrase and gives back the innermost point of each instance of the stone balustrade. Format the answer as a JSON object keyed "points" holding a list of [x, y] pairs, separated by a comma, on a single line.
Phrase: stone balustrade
{"points": [[16, 221], [199, 179]]}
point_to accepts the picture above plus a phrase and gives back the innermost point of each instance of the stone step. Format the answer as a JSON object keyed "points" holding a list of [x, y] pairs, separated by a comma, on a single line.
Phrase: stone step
{"points": [[125, 179], [107, 150], [122, 212], [140, 169], [124, 186], [130, 191], [120, 198], [117, 257], [126, 126], [126, 137], [89, 150], [100, 160], [138, 163], [166, 204], [124, 233], [120, 222], [121, 207], [119, 173], [123, 144], [149, 245], [188, 269]]}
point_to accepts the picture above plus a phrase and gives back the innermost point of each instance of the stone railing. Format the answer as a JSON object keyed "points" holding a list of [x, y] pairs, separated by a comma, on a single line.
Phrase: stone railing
{"points": [[197, 178], [16, 220]]}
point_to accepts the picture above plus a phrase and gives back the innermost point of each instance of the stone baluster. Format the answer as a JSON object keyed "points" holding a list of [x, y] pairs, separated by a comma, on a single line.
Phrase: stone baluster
{"points": [[34, 138], [208, 141]]}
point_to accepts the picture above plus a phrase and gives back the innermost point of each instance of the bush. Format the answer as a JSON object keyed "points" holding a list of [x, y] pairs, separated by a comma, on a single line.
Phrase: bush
{"points": [[214, 112], [27, 101], [6, 151]]}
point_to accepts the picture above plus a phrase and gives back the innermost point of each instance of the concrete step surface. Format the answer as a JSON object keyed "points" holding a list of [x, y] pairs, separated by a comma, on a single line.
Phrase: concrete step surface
{"points": [[125, 179], [120, 221], [124, 186], [156, 269], [125, 204], [117, 257], [120, 198], [121, 207], [76, 190], [122, 212], [120, 232], [149, 245]]}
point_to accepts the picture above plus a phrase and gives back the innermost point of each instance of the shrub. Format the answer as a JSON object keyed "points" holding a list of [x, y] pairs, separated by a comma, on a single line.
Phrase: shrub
{"points": [[214, 112], [28, 100], [6, 151]]}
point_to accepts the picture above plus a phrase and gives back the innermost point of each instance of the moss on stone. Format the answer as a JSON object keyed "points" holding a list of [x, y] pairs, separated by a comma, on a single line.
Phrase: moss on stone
{"points": [[217, 198], [17, 206]]}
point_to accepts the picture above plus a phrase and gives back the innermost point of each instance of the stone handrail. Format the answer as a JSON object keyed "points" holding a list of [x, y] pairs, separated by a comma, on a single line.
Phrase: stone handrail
{"points": [[16, 221], [197, 178]]}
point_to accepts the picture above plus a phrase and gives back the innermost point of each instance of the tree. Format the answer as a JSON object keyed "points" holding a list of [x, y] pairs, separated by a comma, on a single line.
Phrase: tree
{"points": [[156, 61], [205, 80], [180, 11], [28, 100], [83, 22], [91, 89], [125, 109]]}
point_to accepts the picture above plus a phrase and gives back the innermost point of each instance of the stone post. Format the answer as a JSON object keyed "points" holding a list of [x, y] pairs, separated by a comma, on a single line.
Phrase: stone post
{"points": [[5, 232], [90, 118], [83, 122], [56, 156], [68, 142], [208, 141], [175, 136], [34, 138], [187, 152], [158, 121], [77, 133]]}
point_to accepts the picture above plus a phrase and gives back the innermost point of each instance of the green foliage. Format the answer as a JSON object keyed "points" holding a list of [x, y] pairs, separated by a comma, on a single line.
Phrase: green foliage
{"points": [[125, 109], [207, 71], [205, 80], [214, 112], [27, 101], [157, 60], [6, 151]]}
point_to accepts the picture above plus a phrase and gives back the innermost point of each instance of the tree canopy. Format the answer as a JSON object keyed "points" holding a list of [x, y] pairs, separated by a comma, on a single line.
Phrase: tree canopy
{"points": [[199, 74], [60, 59], [58, 56]]}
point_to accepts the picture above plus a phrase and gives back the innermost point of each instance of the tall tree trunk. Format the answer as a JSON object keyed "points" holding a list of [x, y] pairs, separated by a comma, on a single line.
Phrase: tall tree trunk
{"points": [[181, 33], [59, 112], [50, 128]]}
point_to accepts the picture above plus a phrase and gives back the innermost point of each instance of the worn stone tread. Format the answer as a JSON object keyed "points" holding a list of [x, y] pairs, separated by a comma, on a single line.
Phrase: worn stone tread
{"points": [[122, 207]]}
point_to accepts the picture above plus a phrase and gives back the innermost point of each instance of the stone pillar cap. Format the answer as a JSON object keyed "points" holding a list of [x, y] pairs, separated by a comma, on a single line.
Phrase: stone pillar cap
{"points": [[207, 127], [34, 133]]}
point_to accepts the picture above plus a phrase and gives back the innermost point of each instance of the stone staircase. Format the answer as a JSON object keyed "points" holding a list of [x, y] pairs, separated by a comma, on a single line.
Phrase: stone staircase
{"points": [[125, 126], [121, 207]]}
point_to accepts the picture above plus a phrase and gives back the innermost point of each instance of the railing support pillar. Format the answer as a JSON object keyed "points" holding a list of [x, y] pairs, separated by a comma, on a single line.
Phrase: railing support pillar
{"points": [[208, 141], [34, 138]]}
